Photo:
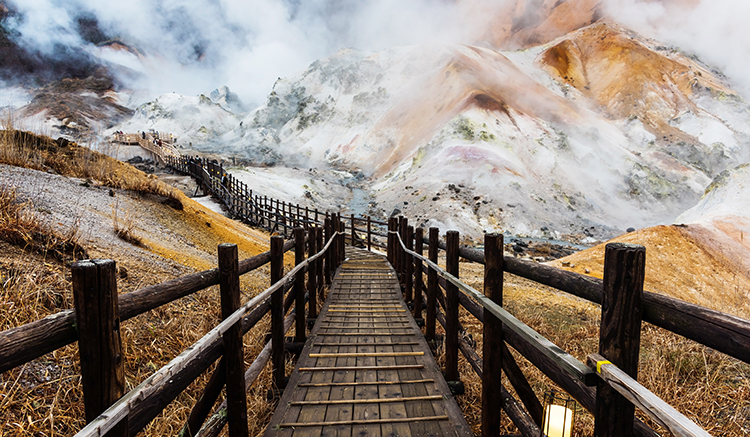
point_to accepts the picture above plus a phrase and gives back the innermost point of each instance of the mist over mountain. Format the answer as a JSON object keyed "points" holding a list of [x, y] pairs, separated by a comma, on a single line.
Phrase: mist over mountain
{"points": [[557, 119]]}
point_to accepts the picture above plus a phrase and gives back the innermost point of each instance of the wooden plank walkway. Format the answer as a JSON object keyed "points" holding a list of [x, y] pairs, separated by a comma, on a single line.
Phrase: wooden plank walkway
{"points": [[366, 369]]}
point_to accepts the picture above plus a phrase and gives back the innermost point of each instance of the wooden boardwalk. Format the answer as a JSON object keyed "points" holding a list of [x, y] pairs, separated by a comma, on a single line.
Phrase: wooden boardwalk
{"points": [[366, 369]]}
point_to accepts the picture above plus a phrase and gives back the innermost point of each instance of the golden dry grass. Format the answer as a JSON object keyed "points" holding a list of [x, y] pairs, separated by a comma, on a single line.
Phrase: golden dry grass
{"points": [[25, 149], [707, 386], [44, 397]]}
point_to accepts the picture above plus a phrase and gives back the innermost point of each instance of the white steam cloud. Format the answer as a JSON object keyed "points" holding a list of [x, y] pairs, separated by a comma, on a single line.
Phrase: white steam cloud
{"points": [[714, 30], [194, 46]]}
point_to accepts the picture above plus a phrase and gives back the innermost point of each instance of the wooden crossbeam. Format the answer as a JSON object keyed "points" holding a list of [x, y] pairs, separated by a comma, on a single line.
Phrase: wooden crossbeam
{"points": [[364, 422], [369, 401], [367, 354], [404, 343], [366, 334], [370, 316], [347, 384], [355, 368], [364, 306], [367, 311]]}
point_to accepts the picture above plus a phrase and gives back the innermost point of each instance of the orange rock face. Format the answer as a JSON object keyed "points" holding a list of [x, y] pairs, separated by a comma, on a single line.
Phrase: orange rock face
{"points": [[626, 76]]}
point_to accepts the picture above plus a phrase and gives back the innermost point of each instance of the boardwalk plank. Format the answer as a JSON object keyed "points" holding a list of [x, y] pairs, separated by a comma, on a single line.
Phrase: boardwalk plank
{"points": [[365, 315]]}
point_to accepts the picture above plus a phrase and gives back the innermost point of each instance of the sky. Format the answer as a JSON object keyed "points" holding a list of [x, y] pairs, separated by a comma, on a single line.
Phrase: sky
{"points": [[195, 46]]}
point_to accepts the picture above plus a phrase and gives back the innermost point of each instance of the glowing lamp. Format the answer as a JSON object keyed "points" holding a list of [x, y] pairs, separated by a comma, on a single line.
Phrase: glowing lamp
{"points": [[559, 415]]}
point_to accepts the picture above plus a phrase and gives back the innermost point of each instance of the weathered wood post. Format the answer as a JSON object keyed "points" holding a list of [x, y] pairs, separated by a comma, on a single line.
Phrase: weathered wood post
{"points": [[319, 262], [369, 233], [307, 218], [328, 255], [335, 243], [403, 223], [432, 285], [265, 209], [277, 313], [451, 308], [99, 340], [229, 286], [342, 243], [418, 284], [335, 228], [620, 334], [492, 336], [312, 273], [353, 233], [409, 264], [283, 218], [299, 286], [390, 241]]}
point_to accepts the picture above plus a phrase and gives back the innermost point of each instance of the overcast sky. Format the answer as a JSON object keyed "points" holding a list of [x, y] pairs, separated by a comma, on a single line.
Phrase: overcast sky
{"points": [[195, 46]]}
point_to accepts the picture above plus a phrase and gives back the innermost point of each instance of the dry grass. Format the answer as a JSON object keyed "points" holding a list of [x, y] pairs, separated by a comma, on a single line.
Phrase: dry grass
{"points": [[25, 149], [707, 386], [124, 225], [44, 397]]}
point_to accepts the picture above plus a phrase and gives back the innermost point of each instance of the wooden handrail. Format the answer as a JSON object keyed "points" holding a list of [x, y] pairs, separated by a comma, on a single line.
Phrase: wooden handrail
{"points": [[544, 346], [653, 406], [120, 409], [721, 331], [24, 343]]}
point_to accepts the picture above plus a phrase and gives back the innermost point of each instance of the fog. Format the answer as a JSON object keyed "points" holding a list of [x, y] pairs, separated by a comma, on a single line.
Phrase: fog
{"points": [[716, 31], [194, 46]]}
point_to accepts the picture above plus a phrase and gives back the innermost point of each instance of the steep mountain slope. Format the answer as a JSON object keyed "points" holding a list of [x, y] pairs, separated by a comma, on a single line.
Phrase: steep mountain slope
{"points": [[592, 133]]}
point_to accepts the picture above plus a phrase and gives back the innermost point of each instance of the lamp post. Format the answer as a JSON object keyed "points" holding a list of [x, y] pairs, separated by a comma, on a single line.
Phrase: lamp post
{"points": [[559, 415]]}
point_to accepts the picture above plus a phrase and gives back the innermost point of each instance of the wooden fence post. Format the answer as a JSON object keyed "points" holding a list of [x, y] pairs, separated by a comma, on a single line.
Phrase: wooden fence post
{"points": [[620, 334], [342, 243], [409, 264], [335, 244], [265, 208], [99, 340], [390, 245], [451, 308], [353, 233], [234, 358], [492, 336], [369, 233], [299, 285], [328, 255], [403, 222], [339, 241], [312, 273], [277, 313], [432, 285], [319, 262], [418, 284]]}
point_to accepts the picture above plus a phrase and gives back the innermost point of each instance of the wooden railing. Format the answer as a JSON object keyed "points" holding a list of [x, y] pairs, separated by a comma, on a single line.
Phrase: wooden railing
{"points": [[717, 330], [151, 143], [613, 371], [268, 213], [99, 311], [625, 305]]}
